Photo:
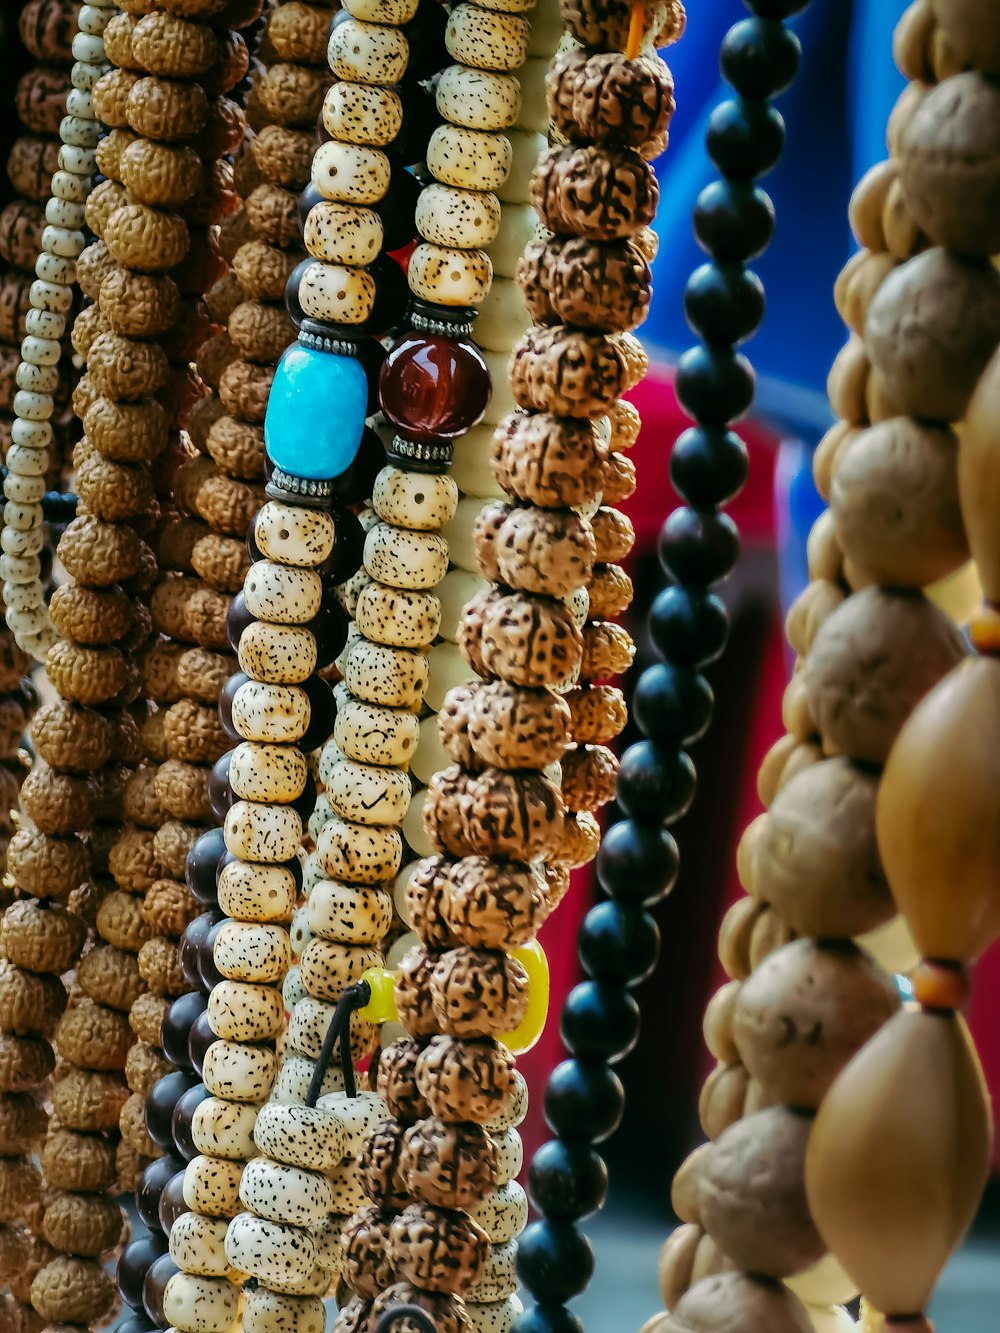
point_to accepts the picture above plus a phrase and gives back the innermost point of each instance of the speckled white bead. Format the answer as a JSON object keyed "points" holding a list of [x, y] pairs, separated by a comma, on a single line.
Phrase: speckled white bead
{"points": [[579, 604], [348, 1196], [327, 969], [281, 594], [39, 379], [405, 559], [277, 654], [256, 832], [347, 914], [448, 276], [88, 49], [197, 1245], [256, 892], [51, 296], [55, 268], [295, 1077], [40, 351], [510, 1154], [294, 536], [322, 811], [358, 853], [267, 1311], [263, 712], [270, 1251], [312, 873], [503, 316], [24, 490], [299, 933], [348, 173], [417, 838], [292, 989], [393, 676], [372, 734], [239, 1073], [414, 499], [336, 293], [367, 52], [283, 1193], [356, 1115], [470, 159], [33, 406], [43, 323], [347, 592], [267, 772], [498, 1280], [486, 39], [362, 114], [398, 616], [478, 99], [343, 234], [493, 1316], [368, 793], [251, 951], [66, 242], [211, 1186], [396, 12], [194, 1304], [26, 462], [32, 434], [244, 1011], [23, 596], [525, 150], [514, 1109], [503, 1214], [224, 1129], [466, 219], [327, 1238]]}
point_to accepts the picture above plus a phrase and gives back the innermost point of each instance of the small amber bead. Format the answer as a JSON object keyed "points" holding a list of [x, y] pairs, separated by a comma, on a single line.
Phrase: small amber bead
{"points": [[940, 985], [984, 629]]}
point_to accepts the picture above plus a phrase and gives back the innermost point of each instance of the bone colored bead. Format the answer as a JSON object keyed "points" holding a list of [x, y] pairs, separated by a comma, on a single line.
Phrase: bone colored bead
{"points": [[478, 99], [431, 756], [368, 793], [267, 772], [470, 159], [23, 596], [372, 734], [263, 712], [24, 490], [194, 1304], [503, 1214], [65, 242], [224, 1129], [501, 402], [283, 1193], [447, 668], [66, 185], [405, 559], [321, 813], [327, 969], [367, 52], [267, 1311], [514, 1109], [503, 316], [358, 853], [417, 838], [39, 379], [526, 148], [356, 1115], [270, 1251], [349, 173], [26, 462], [263, 832], [211, 1186], [361, 114], [396, 677], [294, 536], [454, 592], [396, 12], [251, 892], [277, 654], [54, 296], [397, 616], [32, 434], [336, 293], [239, 1073], [498, 1281], [280, 594], [16, 568], [348, 1196], [466, 219], [449, 276], [43, 323], [21, 544], [292, 1086], [54, 268], [40, 351], [534, 113], [546, 31], [347, 914], [343, 234], [414, 500], [460, 535], [510, 1154], [248, 951], [299, 933], [493, 1316], [33, 406], [242, 1011], [197, 1245], [486, 39]]}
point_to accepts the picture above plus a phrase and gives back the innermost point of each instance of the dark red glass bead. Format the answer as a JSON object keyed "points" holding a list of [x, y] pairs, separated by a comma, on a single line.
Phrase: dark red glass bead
{"points": [[434, 388]]}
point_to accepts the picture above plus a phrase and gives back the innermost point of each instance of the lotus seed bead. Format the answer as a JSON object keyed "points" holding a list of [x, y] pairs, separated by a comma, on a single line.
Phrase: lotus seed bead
{"points": [[32, 434], [24, 490], [350, 174], [396, 12], [60, 213], [357, 113], [27, 462], [88, 49], [72, 188], [80, 104], [33, 406], [55, 268], [368, 52], [51, 296], [39, 379], [45, 324]]}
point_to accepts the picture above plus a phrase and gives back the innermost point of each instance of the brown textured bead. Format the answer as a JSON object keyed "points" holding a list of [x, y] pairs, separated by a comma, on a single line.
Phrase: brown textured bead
{"points": [[379, 1165], [30, 1002], [365, 1242], [467, 1080], [437, 1251], [588, 777], [71, 1290], [447, 1312], [82, 1224], [397, 1082], [110, 977], [93, 1037], [567, 372], [448, 1165]]}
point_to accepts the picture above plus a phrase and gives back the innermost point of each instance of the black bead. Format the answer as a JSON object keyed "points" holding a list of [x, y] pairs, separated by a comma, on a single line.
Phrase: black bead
{"points": [[175, 1030], [672, 704], [322, 711], [199, 1040], [714, 384], [618, 943], [599, 1022], [293, 306], [733, 222], [329, 627], [187, 950], [554, 1261], [744, 139], [305, 803], [397, 209], [238, 618], [152, 1183], [760, 57], [136, 1323], [350, 547], [160, 1106], [202, 865], [226, 696], [687, 626], [567, 1181], [699, 546], [427, 54], [181, 1123], [392, 294], [132, 1266], [637, 863], [155, 1284], [220, 794], [172, 1205], [708, 465], [547, 1319], [210, 974], [420, 119], [654, 783], [584, 1101], [776, 9], [724, 303]]}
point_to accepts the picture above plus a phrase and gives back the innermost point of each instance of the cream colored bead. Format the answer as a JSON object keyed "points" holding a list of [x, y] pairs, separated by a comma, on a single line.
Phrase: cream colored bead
{"points": [[303, 1136], [534, 113], [63, 241], [211, 1186], [367, 52], [503, 316], [24, 490], [358, 113], [54, 268], [267, 1311], [292, 1086], [400, 617], [45, 323], [252, 951], [454, 592], [417, 838], [23, 596], [347, 173], [501, 402], [465, 219], [267, 772], [359, 854], [27, 462], [503, 1214], [450, 276], [447, 668], [348, 1196], [518, 225], [284, 1193], [478, 99], [431, 756], [413, 499], [336, 293], [525, 151], [257, 832], [40, 351], [356, 1115], [347, 914], [264, 712], [51, 296], [405, 559], [193, 1304], [277, 654], [197, 1245], [470, 159], [486, 39], [224, 1129], [510, 1154], [66, 185], [32, 434], [369, 794], [273, 1253], [280, 594], [294, 535], [373, 734], [238, 1072], [89, 50], [343, 234], [256, 892], [460, 535], [24, 517], [37, 379], [241, 1011], [33, 406], [498, 1280], [396, 12]]}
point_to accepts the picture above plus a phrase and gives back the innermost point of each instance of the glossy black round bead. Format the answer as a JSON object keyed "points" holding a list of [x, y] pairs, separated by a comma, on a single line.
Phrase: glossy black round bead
{"points": [[182, 1120], [392, 294], [397, 208], [132, 1266], [618, 944], [190, 941], [175, 1030], [760, 57], [220, 794], [238, 618], [637, 863], [201, 867], [567, 1181], [733, 221], [745, 138], [420, 119], [308, 200], [210, 974], [199, 1040], [322, 711], [152, 1183], [599, 1022], [708, 465], [350, 547], [136, 1323], [699, 546], [714, 384], [305, 803], [158, 1275], [329, 627], [226, 696], [655, 783], [355, 485], [160, 1105], [425, 37], [584, 1101], [776, 9], [687, 626], [724, 303], [172, 1205], [293, 306], [554, 1261], [672, 704], [547, 1319]]}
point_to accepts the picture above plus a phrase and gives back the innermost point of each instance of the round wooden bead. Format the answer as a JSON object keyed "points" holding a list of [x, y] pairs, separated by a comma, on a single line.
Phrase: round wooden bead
{"points": [[224, 1129], [267, 1311], [361, 114], [343, 234], [211, 1186], [348, 173], [263, 832], [372, 734], [470, 159], [277, 654], [282, 595], [372, 53], [478, 99], [248, 951], [197, 1245], [194, 1304], [466, 219], [270, 1251], [241, 1011], [304, 1136], [294, 536], [327, 970], [263, 712], [356, 1115], [486, 39], [347, 914], [359, 853], [284, 1193], [239, 1073], [450, 276], [397, 616], [267, 772], [405, 559], [256, 892], [393, 676], [503, 1214]]}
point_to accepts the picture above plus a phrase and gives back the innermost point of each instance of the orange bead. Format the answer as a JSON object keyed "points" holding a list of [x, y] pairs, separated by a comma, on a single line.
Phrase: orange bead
{"points": [[984, 630], [940, 985]]}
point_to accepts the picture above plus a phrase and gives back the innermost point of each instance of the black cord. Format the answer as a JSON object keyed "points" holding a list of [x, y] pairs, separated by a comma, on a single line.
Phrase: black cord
{"points": [[354, 997], [398, 1313]]}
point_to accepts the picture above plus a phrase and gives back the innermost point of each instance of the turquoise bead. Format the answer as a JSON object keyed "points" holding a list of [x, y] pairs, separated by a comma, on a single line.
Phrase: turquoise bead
{"points": [[315, 413]]}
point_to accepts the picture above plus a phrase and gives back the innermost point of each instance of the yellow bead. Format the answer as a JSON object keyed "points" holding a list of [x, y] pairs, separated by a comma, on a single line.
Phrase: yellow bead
{"points": [[381, 1008], [532, 959]]}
